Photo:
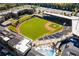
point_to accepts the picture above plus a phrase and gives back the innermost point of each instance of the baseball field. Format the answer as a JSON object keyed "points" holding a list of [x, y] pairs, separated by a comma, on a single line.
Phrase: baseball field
{"points": [[37, 27]]}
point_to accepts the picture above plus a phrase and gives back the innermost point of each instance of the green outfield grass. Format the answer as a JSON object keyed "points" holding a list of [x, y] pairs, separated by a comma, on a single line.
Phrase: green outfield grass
{"points": [[34, 28], [12, 28]]}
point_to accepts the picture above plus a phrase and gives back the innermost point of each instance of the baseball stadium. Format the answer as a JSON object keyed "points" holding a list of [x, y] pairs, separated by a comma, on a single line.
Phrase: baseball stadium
{"points": [[34, 27], [39, 29]]}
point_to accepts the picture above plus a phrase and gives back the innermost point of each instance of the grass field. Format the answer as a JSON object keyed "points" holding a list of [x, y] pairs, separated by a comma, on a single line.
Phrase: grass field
{"points": [[34, 28], [12, 28]]}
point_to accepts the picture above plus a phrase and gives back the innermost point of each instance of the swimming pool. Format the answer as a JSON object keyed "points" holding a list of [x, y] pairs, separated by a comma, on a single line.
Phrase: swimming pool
{"points": [[46, 50]]}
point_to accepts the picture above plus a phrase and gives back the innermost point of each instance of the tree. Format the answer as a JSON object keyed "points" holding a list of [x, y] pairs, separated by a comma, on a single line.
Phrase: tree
{"points": [[65, 14]]}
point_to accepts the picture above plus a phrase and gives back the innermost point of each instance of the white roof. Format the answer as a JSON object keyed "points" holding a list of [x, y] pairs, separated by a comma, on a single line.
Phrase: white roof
{"points": [[22, 45], [6, 38], [25, 41], [59, 15], [22, 48], [7, 22]]}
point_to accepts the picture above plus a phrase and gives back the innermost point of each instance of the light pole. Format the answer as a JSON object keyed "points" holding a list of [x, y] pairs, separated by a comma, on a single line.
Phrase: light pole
{"points": [[63, 30]]}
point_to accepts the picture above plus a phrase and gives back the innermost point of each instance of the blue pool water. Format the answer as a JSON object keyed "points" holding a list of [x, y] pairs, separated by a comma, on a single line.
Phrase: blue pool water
{"points": [[47, 51]]}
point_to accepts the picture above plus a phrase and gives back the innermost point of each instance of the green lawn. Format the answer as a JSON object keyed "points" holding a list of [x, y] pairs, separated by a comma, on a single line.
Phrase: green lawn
{"points": [[12, 28], [34, 28]]}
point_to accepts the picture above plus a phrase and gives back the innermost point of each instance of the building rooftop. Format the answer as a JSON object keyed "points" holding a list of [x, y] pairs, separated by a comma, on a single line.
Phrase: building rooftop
{"points": [[71, 50], [22, 46], [1, 16], [6, 38], [60, 15], [33, 52], [13, 42], [7, 22]]}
